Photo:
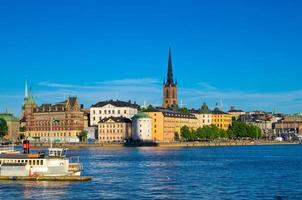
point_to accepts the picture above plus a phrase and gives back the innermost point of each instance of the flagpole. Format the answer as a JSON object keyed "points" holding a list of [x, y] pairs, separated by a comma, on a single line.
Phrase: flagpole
{"points": [[51, 120]]}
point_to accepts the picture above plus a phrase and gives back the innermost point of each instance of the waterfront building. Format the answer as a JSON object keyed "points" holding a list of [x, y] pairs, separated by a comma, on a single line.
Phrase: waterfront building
{"points": [[13, 125], [289, 124], [235, 113], [170, 87], [167, 123], [61, 122], [142, 127], [203, 115], [114, 129], [265, 121], [221, 119], [111, 108]]}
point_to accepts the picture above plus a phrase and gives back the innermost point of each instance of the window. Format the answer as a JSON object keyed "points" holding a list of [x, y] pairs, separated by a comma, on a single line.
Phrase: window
{"points": [[167, 93], [93, 118], [173, 94], [112, 111], [105, 111], [93, 111], [118, 112], [125, 111]]}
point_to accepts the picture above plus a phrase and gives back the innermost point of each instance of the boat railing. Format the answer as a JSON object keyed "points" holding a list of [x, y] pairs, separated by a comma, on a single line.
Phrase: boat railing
{"points": [[5, 149], [76, 161]]}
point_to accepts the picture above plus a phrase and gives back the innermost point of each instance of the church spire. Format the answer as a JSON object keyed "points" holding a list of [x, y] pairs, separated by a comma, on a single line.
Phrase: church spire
{"points": [[170, 71], [26, 92]]}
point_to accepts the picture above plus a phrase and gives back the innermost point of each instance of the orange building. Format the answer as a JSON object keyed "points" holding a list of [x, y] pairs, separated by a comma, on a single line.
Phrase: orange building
{"points": [[167, 123]]}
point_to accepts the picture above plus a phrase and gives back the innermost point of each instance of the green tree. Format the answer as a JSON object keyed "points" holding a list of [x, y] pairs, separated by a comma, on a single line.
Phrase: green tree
{"points": [[243, 130], [3, 128], [210, 132], [83, 136], [187, 134]]}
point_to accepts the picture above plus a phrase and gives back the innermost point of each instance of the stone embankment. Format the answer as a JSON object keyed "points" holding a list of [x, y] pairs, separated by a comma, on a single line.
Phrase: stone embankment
{"points": [[172, 144]]}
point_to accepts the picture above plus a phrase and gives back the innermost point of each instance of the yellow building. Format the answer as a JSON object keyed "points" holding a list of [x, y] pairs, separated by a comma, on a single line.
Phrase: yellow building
{"points": [[166, 123], [221, 119]]}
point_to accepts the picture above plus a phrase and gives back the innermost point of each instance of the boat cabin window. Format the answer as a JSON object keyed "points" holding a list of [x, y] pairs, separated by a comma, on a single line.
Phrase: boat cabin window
{"points": [[56, 152]]}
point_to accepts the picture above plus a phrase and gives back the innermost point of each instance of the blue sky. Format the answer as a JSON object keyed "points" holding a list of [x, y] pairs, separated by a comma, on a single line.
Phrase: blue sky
{"points": [[245, 53]]}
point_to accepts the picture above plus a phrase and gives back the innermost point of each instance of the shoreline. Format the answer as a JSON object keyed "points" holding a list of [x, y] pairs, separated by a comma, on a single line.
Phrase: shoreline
{"points": [[166, 145]]}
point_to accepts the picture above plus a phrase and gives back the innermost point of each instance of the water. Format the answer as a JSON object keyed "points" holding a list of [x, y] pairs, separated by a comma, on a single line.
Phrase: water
{"points": [[249, 172]]}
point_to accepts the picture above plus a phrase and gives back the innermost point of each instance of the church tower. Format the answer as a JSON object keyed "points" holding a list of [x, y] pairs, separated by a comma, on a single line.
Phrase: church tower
{"points": [[170, 87], [29, 104]]}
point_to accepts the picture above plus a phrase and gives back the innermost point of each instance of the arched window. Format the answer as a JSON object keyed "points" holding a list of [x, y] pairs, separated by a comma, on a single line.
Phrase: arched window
{"points": [[173, 94], [167, 93]]}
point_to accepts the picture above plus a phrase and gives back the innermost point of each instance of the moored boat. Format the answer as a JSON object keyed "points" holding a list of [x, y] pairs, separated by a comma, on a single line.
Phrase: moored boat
{"points": [[56, 163]]}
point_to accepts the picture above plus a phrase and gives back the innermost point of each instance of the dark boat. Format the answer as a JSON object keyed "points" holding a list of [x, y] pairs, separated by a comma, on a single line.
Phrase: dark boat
{"points": [[135, 143]]}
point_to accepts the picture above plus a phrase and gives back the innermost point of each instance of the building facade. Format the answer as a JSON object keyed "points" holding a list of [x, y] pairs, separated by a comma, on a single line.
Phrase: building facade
{"points": [[170, 87], [167, 123], [13, 125], [142, 127], [235, 113], [221, 119], [114, 129], [61, 122], [203, 115], [105, 109]]}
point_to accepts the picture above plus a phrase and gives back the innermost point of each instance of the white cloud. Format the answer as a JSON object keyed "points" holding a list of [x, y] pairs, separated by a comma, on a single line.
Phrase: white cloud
{"points": [[150, 90]]}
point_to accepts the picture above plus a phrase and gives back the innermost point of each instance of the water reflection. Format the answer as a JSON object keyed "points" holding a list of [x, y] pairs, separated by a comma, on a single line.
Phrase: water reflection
{"points": [[176, 173]]}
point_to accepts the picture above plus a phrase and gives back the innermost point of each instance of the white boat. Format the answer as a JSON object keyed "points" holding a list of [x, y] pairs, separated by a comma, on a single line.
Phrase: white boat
{"points": [[14, 163]]}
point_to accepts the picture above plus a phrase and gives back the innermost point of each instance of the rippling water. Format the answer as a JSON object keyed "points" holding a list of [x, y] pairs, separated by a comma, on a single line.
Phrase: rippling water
{"points": [[250, 172]]}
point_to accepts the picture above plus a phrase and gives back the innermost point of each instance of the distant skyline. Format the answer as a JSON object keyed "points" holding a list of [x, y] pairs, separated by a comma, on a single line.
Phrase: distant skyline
{"points": [[246, 54]]}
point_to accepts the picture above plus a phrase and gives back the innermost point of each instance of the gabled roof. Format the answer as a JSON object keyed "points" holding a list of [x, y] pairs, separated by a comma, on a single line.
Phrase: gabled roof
{"points": [[218, 112], [57, 107], [116, 103], [116, 119], [174, 113]]}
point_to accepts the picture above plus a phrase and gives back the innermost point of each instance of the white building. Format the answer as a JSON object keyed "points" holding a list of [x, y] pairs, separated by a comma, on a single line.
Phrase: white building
{"points": [[105, 109], [141, 127], [203, 115]]}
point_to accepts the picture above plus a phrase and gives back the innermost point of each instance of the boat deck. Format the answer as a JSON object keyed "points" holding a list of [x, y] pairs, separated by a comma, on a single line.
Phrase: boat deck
{"points": [[45, 178]]}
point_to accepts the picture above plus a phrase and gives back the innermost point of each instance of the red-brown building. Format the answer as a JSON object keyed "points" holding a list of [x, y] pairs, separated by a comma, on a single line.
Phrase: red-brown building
{"points": [[60, 122]]}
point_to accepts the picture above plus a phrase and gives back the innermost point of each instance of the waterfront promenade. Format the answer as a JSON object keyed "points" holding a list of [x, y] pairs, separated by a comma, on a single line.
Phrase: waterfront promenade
{"points": [[168, 145]]}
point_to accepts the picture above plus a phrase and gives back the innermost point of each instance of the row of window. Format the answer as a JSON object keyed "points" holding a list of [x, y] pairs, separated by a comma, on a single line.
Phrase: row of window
{"points": [[54, 129], [113, 125], [48, 134], [110, 112], [221, 120], [111, 138], [61, 122], [30, 162], [112, 131]]}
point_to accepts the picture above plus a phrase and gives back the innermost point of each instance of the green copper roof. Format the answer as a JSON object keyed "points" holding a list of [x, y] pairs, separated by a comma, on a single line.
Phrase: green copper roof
{"points": [[8, 117], [204, 109], [140, 115]]}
